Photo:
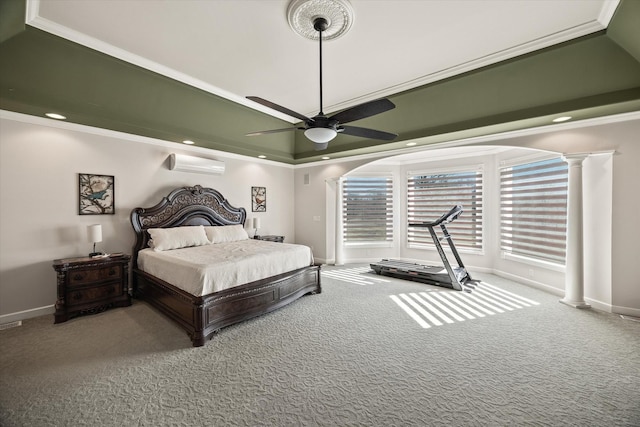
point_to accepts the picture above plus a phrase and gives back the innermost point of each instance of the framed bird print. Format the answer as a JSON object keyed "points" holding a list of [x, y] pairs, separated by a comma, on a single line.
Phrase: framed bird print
{"points": [[258, 199], [96, 196]]}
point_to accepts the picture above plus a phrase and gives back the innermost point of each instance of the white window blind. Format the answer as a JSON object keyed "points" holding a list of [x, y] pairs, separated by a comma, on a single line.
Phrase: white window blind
{"points": [[431, 195], [533, 210], [367, 209]]}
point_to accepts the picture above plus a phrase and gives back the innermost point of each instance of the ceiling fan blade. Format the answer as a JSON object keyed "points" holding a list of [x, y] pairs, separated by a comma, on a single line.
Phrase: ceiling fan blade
{"points": [[265, 132], [362, 111], [367, 133], [279, 108]]}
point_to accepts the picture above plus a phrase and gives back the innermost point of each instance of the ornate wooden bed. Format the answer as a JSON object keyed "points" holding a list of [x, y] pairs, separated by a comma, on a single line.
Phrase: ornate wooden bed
{"points": [[202, 316]]}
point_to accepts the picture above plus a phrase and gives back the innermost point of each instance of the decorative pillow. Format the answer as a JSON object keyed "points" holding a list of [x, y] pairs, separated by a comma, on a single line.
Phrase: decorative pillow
{"points": [[165, 239], [226, 233]]}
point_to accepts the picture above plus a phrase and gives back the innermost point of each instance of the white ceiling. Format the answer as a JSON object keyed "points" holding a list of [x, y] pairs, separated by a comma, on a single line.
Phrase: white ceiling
{"points": [[235, 48]]}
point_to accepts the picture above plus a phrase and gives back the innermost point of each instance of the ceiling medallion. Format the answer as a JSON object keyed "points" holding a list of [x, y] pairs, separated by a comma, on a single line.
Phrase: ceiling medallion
{"points": [[302, 13]]}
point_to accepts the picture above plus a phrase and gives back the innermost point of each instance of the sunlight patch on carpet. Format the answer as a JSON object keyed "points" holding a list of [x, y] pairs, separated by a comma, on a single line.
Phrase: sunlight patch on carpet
{"points": [[357, 275], [440, 307]]}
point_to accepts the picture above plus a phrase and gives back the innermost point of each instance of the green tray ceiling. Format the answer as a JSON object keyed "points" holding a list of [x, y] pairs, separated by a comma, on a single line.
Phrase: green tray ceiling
{"points": [[589, 77]]}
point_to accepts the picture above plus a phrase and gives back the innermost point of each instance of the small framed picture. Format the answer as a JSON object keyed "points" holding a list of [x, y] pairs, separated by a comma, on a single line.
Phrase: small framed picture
{"points": [[96, 194], [258, 199]]}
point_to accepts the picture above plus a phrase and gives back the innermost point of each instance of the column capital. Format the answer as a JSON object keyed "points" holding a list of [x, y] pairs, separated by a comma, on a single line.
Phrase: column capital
{"points": [[574, 157]]}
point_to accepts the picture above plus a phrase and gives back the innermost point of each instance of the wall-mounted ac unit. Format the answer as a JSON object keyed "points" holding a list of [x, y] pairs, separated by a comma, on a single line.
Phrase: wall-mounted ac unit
{"points": [[184, 163]]}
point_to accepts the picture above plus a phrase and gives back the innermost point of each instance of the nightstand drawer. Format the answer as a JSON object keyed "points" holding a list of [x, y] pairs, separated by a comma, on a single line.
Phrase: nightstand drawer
{"points": [[91, 285], [94, 294], [82, 277]]}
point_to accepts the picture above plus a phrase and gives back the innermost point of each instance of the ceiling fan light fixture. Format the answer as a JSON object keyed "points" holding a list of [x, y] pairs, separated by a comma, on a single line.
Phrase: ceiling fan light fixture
{"points": [[320, 135]]}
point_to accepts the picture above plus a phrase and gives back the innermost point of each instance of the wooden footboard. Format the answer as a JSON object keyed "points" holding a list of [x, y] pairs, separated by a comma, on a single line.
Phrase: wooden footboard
{"points": [[201, 317]]}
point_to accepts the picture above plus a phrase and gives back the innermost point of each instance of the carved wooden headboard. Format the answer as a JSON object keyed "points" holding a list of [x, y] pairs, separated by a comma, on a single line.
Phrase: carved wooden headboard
{"points": [[184, 206]]}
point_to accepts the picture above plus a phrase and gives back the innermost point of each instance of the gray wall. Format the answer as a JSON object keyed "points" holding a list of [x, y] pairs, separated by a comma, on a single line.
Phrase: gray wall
{"points": [[612, 229], [39, 221]]}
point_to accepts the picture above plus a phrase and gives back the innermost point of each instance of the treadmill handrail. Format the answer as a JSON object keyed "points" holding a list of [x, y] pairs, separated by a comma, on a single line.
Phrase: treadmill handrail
{"points": [[448, 217]]}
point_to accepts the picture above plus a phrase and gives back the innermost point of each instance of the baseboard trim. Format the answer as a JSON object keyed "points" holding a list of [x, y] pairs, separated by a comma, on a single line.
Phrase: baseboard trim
{"points": [[633, 312], [360, 260], [599, 305], [529, 282], [27, 314]]}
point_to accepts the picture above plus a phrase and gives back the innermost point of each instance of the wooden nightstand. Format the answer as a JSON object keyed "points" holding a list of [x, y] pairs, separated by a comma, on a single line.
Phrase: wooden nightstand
{"points": [[91, 285], [278, 239]]}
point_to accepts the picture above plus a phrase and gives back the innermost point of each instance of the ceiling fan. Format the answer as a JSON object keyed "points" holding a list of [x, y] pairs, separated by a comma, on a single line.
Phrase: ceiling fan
{"points": [[321, 129]]}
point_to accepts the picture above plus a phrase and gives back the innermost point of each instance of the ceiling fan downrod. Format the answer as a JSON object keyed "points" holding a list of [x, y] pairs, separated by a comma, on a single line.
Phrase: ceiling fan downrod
{"points": [[320, 24], [321, 130]]}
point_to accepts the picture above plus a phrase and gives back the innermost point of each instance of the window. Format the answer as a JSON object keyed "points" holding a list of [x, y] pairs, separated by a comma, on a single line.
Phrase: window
{"points": [[533, 210], [429, 195], [367, 209]]}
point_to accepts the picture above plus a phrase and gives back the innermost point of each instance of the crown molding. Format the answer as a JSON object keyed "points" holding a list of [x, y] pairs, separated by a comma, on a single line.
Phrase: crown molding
{"points": [[553, 39], [35, 20], [476, 140], [608, 10], [75, 127], [600, 23], [41, 121]]}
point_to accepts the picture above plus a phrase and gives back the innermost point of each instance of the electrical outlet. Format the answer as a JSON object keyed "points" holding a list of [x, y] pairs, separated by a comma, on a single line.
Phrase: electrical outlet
{"points": [[531, 272]]}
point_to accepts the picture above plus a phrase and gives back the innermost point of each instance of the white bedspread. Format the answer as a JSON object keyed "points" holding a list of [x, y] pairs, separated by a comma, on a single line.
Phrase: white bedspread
{"points": [[205, 269]]}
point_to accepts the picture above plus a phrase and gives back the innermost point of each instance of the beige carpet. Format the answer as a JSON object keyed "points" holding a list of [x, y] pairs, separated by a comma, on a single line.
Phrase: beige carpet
{"points": [[368, 351]]}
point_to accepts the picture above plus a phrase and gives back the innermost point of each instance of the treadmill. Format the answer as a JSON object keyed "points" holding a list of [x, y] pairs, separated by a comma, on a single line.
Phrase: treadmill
{"points": [[457, 278]]}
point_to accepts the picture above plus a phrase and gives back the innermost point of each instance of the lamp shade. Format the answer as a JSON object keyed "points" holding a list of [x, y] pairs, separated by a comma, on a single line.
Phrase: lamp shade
{"points": [[95, 233], [256, 222], [320, 135]]}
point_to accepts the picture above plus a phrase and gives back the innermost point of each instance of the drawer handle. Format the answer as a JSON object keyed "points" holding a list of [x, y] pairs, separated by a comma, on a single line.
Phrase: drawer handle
{"points": [[111, 290], [77, 296], [78, 276], [112, 272]]}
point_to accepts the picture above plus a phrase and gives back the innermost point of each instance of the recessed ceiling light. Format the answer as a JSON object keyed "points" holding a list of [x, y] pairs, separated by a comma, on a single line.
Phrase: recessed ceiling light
{"points": [[562, 119], [56, 116], [188, 142], [411, 144], [326, 158], [262, 156]]}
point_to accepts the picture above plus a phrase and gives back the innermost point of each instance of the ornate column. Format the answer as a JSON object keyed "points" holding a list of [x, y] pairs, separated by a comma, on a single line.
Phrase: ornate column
{"points": [[574, 273], [339, 236]]}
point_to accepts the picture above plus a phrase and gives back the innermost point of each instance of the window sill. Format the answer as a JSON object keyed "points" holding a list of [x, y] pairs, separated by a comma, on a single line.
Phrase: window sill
{"points": [[354, 245], [535, 262], [446, 248]]}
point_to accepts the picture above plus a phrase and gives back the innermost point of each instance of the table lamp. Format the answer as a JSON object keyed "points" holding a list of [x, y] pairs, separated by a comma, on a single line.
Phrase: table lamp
{"points": [[256, 225], [95, 235]]}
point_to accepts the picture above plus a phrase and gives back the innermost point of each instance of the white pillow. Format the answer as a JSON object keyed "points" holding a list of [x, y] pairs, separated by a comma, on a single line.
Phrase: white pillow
{"points": [[226, 233], [165, 239]]}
